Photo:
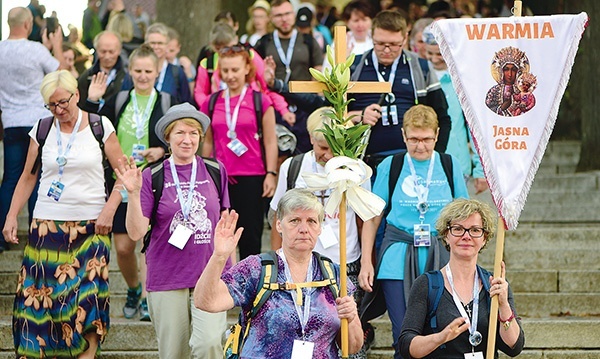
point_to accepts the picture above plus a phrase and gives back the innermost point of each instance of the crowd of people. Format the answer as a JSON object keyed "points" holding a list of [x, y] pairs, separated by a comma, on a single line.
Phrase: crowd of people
{"points": [[138, 143]]}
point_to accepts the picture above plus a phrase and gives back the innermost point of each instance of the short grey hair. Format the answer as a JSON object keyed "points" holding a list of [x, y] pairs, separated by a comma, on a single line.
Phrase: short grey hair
{"points": [[299, 199]]}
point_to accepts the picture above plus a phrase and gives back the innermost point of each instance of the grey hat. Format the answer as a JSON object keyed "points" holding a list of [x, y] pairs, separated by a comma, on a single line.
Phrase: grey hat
{"points": [[177, 112]]}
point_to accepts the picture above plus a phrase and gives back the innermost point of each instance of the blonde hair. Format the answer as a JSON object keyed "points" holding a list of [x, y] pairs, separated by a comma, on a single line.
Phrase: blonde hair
{"points": [[58, 79], [158, 28], [221, 34], [141, 52], [420, 116], [461, 209], [121, 24], [187, 121], [315, 123]]}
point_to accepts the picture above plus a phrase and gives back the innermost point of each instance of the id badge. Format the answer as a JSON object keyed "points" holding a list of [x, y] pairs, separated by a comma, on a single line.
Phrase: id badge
{"points": [[237, 147], [328, 237], [422, 235], [475, 355], [181, 235], [394, 114], [136, 153], [56, 190], [302, 349]]}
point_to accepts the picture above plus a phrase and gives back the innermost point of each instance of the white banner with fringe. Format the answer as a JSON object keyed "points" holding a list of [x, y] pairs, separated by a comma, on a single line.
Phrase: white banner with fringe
{"points": [[510, 75]]}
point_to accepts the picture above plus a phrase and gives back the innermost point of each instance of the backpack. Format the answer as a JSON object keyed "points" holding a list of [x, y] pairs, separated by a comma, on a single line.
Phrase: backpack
{"points": [[266, 285], [122, 96], [158, 182], [44, 128], [294, 170], [398, 163], [435, 289]]}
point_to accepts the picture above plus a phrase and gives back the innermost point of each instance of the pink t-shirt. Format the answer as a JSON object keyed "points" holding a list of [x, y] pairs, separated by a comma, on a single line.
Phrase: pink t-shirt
{"points": [[171, 268], [250, 163]]}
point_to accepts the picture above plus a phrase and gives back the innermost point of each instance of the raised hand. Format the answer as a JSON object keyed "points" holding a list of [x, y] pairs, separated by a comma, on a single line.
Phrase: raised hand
{"points": [[226, 236], [129, 174], [97, 87]]}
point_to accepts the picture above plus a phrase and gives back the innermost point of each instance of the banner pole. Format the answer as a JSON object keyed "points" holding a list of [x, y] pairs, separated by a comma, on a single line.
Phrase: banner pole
{"points": [[491, 347]]}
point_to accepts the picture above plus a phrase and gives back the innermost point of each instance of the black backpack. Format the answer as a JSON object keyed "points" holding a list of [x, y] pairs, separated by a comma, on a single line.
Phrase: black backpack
{"points": [[158, 182], [44, 128]]}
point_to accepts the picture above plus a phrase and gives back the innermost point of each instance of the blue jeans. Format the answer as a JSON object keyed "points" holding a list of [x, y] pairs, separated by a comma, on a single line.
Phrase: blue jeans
{"points": [[16, 144], [393, 291]]}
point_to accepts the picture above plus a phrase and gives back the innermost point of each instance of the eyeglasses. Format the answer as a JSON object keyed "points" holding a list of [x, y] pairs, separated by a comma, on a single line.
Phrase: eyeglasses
{"points": [[233, 49], [63, 104], [157, 43], [381, 46], [413, 141], [459, 231]]}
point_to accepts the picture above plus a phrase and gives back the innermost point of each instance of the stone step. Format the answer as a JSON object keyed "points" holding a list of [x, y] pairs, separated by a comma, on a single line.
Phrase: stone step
{"points": [[579, 182], [561, 197], [567, 212], [525, 354], [541, 334]]}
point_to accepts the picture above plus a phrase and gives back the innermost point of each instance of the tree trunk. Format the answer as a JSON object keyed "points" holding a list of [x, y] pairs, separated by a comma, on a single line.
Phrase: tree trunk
{"points": [[192, 19], [589, 98]]}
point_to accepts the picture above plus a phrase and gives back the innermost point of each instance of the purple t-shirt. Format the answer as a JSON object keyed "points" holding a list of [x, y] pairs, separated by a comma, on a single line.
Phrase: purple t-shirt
{"points": [[276, 325], [171, 268], [251, 162]]}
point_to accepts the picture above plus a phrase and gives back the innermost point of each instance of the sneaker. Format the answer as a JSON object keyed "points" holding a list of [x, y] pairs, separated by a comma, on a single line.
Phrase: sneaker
{"points": [[132, 304], [144, 315]]}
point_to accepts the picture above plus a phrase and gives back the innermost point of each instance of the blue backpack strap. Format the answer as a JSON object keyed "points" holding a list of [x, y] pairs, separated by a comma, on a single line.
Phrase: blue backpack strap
{"points": [[448, 170]]}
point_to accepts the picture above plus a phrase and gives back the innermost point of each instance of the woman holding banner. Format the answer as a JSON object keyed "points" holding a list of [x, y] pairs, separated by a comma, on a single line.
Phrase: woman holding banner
{"points": [[460, 321]]}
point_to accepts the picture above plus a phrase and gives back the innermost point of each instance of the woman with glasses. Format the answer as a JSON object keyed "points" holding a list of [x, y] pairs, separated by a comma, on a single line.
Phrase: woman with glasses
{"points": [[427, 181], [246, 145], [462, 316], [61, 307]]}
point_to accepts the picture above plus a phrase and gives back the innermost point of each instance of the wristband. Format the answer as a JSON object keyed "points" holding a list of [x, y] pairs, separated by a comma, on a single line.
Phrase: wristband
{"points": [[272, 173], [506, 323]]}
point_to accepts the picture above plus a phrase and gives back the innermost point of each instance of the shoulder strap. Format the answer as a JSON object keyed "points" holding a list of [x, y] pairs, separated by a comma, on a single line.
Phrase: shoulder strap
{"points": [[40, 135], [97, 129], [258, 111], [120, 101], [212, 101], [308, 40], [268, 275], [165, 101], [210, 63], [361, 63], [294, 170], [448, 170], [435, 288], [214, 171], [175, 73], [328, 271], [424, 67], [158, 179], [395, 169]]}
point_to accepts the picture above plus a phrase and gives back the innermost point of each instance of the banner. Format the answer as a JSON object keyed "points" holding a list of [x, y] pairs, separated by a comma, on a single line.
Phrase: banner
{"points": [[510, 75]]}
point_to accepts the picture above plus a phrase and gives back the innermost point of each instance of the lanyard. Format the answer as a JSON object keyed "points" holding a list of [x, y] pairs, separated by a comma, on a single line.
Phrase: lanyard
{"points": [[302, 314], [461, 309], [392, 71], [112, 74], [138, 118], [161, 77], [232, 120], [286, 59], [186, 205], [422, 192], [61, 159]]}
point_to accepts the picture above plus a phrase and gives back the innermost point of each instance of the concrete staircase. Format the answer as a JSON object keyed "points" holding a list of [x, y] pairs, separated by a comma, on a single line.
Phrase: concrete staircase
{"points": [[552, 263]]}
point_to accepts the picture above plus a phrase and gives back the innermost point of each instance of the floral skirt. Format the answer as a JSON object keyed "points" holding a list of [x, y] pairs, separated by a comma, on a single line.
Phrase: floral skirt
{"points": [[62, 293]]}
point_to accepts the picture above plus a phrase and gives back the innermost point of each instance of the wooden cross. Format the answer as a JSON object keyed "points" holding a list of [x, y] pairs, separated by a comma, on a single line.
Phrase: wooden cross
{"points": [[353, 87]]}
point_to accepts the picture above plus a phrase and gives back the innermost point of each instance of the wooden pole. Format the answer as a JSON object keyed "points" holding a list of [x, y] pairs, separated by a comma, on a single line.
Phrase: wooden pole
{"points": [[497, 272], [340, 56], [491, 347]]}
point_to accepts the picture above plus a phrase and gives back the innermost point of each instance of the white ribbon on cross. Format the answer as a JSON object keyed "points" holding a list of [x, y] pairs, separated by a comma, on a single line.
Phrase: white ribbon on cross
{"points": [[344, 174]]}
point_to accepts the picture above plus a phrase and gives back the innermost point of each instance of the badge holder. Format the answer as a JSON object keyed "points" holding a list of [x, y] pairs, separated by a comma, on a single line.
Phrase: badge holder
{"points": [[422, 231], [237, 147], [302, 349], [56, 190], [136, 152]]}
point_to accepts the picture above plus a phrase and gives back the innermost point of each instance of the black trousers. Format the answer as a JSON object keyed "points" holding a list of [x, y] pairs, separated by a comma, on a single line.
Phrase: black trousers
{"points": [[245, 197]]}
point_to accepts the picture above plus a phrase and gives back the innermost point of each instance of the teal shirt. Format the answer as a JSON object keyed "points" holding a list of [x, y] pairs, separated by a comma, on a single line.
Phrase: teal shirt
{"points": [[404, 214]]}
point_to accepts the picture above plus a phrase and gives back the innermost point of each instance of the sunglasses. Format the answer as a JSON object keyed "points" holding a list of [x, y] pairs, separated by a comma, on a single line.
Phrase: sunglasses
{"points": [[232, 49]]}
